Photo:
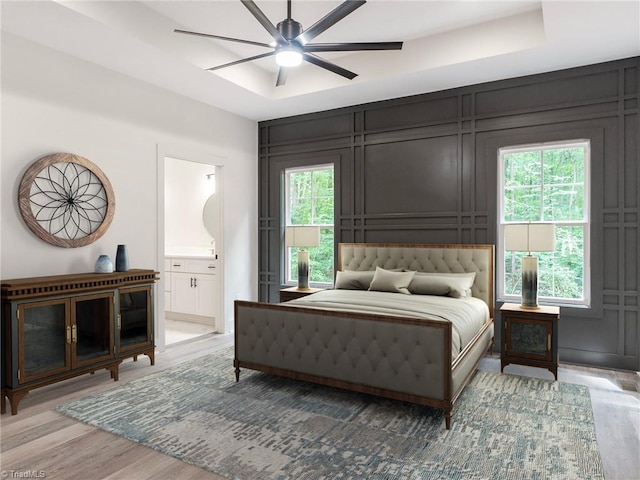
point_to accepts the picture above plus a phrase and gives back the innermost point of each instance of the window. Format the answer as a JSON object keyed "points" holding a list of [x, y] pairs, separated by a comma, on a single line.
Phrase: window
{"points": [[547, 183], [309, 200]]}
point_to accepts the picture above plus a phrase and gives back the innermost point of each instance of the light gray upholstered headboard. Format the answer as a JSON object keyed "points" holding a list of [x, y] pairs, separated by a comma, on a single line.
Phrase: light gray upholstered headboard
{"points": [[425, 258]]}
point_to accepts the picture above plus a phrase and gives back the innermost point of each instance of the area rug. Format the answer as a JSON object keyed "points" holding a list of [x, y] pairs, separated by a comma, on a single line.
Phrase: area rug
{"points": [[266, 427]]}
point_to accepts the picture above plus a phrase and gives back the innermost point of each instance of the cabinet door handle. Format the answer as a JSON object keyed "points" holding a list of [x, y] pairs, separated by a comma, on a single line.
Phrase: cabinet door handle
{"points": [[548, 342], [211, 267], [119, 322], [74, 334], [191, 282], [195, 283], [68, 334]]}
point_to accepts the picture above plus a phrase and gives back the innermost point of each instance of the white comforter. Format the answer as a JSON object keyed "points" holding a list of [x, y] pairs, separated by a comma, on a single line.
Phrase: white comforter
{"points": [[467, 315]]}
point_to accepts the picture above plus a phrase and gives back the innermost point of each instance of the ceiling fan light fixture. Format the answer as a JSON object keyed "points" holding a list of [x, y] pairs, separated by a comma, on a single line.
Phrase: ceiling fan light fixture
{"points": [[289, 56], [291, 45]]}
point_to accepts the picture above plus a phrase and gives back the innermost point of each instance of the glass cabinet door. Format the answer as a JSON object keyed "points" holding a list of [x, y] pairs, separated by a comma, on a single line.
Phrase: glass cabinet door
{"points": [[529, 339], [44, 337], [92, 333], [134, 322]]}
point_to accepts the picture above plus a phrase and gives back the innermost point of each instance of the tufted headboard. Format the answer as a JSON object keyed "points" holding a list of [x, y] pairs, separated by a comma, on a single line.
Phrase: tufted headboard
{"points": [[425, 258]]}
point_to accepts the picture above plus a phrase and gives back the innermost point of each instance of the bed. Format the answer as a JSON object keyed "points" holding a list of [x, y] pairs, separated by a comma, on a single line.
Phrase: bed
{"points": [[407, 322]]}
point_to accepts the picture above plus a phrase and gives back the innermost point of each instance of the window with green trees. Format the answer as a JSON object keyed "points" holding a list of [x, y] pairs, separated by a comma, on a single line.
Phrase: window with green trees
{"points": [[547, 183], [309, 200]]}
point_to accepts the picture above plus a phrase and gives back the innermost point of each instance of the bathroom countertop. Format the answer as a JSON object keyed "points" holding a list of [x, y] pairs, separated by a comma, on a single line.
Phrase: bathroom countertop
{"points": [[197, 256]]}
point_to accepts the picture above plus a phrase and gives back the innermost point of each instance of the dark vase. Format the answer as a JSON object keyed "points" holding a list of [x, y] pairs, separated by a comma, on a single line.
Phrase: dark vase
{"points": [[122, 260]]}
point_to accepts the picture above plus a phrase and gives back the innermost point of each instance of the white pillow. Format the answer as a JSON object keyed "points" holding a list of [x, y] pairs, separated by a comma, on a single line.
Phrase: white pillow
{"points": [[387, 281]]}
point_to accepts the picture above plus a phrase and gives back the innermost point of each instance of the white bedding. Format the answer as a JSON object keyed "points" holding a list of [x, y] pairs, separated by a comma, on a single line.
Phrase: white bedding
{"points": [[467, 315]]}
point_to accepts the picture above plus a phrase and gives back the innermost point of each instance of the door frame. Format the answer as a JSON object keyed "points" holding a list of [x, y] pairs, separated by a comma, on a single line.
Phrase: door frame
{"points": [[189, 155]]}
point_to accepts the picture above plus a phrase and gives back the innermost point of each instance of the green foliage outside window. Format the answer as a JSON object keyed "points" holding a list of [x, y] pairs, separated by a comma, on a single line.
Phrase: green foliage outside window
{"points": [[548, 185], [310, 201]]}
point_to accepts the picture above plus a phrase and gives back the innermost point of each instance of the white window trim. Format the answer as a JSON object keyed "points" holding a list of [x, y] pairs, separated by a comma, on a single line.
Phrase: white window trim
{"points": [[500, 257], [287, 216]]}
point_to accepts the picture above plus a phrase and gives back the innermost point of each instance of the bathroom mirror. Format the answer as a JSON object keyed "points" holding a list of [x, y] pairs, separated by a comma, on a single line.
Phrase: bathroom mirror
{"points": [[210, 215]]}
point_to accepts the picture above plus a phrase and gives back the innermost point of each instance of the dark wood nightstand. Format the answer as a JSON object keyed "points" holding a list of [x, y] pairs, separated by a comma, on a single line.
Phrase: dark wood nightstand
{"points": [[292, 293], [530, 337]]}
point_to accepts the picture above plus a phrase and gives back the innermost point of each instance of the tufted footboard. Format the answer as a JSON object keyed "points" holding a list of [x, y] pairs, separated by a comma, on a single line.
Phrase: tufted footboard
{"points": [[401, 358]]}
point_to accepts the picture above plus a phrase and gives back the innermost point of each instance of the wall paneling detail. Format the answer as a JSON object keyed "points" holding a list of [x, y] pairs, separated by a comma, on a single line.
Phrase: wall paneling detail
{"points": [[423, 169]]}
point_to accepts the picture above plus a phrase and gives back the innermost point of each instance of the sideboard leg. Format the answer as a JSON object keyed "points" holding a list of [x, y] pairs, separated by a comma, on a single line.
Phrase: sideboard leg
{"points": [[114, 371], [151, 353], [14, 399]]}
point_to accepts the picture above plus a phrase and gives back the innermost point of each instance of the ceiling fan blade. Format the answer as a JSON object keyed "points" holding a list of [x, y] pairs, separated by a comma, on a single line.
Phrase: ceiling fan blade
{"points": [[218, 37], [237, 62], [328, 20], [332, 67], [350, 47], [264, 21], [282, 76]]}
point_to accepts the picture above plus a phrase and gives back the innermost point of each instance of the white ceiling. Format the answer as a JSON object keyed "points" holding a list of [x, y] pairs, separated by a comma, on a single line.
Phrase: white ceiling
{"points": [[447, 44]]}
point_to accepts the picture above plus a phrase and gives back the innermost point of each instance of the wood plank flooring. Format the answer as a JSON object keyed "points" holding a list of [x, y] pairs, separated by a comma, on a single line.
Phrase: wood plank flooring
{"points": [[42, 443]]}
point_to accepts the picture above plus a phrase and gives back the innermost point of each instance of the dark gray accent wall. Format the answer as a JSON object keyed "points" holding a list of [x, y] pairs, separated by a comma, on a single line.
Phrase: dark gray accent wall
{"points": [[423, 169]]}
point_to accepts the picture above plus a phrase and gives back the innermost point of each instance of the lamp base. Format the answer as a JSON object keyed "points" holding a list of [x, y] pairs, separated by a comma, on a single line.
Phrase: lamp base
{"points": [[529, 282], [303, 270]]}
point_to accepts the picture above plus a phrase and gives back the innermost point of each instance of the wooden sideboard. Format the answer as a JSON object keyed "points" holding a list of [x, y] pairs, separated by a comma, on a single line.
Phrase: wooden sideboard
{"points": [[58, 327]]}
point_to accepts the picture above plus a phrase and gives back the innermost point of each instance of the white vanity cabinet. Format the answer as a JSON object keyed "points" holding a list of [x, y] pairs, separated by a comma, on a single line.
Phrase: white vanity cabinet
{"points": [[167, 284], [194, 288]]}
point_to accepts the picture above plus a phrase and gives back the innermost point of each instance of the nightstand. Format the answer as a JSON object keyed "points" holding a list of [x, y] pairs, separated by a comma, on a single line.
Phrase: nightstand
{"points": [[292, 293], [530, 337]]}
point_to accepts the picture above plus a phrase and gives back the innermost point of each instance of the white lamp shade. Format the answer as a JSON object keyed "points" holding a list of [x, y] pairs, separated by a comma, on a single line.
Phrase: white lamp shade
{"points": [[302, 236], [530, 237]]}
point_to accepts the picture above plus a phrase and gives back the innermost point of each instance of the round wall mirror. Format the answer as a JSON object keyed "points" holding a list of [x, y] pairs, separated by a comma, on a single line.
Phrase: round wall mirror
{"points": [[210, 215]]}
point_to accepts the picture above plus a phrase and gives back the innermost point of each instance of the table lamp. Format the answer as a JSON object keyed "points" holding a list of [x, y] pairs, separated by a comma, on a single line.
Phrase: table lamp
{"points": [[529, 237], [301, 237]]}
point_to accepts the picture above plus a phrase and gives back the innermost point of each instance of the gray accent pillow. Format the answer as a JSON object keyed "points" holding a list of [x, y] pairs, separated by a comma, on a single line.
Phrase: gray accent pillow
{"points": [[427, 285], [456, 285], [353, 280], [388, 281]]}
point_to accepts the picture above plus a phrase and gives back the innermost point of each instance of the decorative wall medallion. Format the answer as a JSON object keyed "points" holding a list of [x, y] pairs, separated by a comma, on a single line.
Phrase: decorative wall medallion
{"points": [[66, 200]]}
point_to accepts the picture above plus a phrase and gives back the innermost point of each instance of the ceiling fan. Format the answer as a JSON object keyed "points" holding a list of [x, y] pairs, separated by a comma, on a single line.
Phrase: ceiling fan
{"points": [[291, 43]]}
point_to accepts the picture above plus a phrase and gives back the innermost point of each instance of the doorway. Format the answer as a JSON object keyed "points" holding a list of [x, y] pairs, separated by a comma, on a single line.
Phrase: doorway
{"points": [[192, 250]]}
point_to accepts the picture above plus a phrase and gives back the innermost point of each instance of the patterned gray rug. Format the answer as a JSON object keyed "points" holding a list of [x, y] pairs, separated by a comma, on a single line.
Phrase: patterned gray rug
{"points": [[264, 427]]}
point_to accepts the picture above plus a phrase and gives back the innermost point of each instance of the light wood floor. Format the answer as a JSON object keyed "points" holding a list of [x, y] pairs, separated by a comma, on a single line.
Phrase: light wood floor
{"points": [[44, 444]]}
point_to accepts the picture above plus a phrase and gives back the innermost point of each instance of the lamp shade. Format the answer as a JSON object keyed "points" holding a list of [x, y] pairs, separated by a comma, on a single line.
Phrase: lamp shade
{"points": [[302, 236], [530, 237]]}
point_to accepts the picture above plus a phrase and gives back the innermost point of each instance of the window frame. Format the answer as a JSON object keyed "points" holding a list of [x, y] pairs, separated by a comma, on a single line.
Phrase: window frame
{"points": [[585, 223], [286, 222]]}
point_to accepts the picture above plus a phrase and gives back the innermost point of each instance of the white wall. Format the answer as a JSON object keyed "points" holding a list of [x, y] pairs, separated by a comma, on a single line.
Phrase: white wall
{"points": [[187, 189], [52, 102]]}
